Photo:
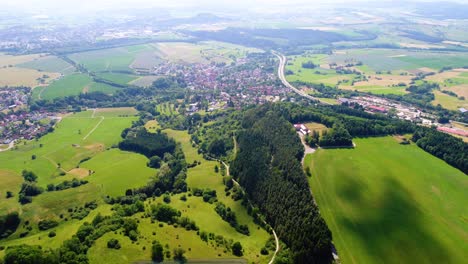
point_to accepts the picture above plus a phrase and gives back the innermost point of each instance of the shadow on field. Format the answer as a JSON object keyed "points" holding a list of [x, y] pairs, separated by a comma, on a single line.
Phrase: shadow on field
{"points": [[390, 225]]}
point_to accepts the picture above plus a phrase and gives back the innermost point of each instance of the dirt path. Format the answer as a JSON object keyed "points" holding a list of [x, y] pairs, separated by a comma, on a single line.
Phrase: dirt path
{"points": [[307, 148], [94, 128], [238, 185], [10, 146]]}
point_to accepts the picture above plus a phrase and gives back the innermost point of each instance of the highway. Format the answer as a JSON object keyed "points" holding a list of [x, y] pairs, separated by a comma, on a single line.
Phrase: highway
{"points": [[281, 66]]}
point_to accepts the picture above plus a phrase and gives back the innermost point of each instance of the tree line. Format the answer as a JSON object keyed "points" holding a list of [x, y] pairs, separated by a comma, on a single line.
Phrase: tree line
{"points": [[268, 166]]}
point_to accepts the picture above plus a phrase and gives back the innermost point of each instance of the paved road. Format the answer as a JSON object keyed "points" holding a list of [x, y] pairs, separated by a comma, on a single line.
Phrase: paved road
{"points": [[281, 76]]}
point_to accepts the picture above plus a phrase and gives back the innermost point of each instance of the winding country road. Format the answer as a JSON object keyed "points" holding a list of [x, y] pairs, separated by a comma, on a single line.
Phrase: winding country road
{"points": [[281, 66]]}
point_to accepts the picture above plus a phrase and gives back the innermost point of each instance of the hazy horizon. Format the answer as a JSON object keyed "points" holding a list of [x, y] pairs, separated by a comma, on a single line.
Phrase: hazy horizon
{"points": [[77, 6]]}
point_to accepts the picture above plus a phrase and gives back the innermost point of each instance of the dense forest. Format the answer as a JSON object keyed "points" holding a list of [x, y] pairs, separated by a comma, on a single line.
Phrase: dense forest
{"points": [[452, 150], [268, 166]]}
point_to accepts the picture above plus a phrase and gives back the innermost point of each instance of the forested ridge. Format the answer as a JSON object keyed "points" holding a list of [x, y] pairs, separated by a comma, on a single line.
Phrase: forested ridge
{"points": [[268, 166]]}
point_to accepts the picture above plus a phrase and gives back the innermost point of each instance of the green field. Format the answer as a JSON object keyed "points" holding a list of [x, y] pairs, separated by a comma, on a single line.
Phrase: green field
{"points": [[92, 134], [69, 85], [73, 84], [118, 77], [76, 137], [386, 202], [449, 102], [49, 64], [115, 59]]}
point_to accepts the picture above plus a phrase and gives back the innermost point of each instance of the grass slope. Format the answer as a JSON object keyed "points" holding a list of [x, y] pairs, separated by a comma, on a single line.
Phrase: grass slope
{"points": [[385, 202]]}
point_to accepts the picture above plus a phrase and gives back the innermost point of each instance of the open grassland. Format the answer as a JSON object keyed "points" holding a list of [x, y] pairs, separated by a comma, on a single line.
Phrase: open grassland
{"points": [[49, 64], [77, 137], [69, 85], [449, 102], [203, 176], [90, 134], [386, 202], [317, 75]]}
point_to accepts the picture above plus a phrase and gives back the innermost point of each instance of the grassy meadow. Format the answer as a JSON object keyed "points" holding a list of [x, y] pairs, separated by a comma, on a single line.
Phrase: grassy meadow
{"points": [[392, 203], [82, 145], [76, 137]]}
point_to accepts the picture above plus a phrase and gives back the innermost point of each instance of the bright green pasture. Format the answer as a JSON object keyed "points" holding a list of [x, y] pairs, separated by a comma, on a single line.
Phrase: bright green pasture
{"points": [[390, 203], [73, 84], [203, 176], [116, 170]]}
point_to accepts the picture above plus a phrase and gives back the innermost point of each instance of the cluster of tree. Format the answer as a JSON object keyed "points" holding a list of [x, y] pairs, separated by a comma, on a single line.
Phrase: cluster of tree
{"points": [[73, 250], [113, 243], [148, 144], [66, 185], [357, 122], [229, 216], [169, 82], [29, 187], [167, 214], [337, 136], [308, 65], [209, 196], [451, 149], [268, 167], [8, 224], [47, 224]]}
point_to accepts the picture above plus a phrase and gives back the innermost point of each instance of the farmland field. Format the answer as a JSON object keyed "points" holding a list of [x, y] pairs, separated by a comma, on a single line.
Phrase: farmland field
{"points": [[386, 202], [69, 85], [118, 78], [13, 74], [203, 52], [49, 64], [449, 102], [116, 59]]}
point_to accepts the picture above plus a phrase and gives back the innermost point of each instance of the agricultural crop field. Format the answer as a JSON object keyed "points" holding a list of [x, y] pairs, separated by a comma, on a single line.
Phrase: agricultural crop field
{"points": [[49, 64], [115, 59], [389, 202], [73, 84], [387, 71], [203, 52], [14, 74]]}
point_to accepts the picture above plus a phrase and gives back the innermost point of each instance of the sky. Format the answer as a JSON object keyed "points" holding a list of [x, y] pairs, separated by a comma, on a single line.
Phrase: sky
{"points": [[87, 5]]}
